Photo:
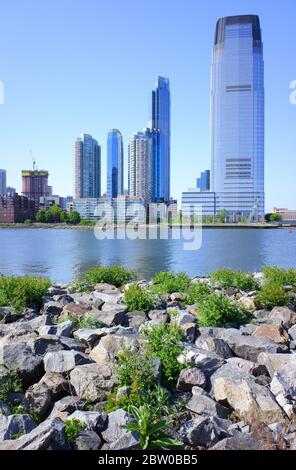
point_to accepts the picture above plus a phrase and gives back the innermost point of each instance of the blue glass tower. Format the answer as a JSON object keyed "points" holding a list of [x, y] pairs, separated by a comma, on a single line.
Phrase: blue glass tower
{"points": [[160, 125], [114, 164], [203, 183], [237, 114]]}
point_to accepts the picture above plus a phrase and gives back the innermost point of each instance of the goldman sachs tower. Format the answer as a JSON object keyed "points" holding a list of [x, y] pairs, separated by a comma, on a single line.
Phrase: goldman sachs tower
{"points": [[237, 116]]}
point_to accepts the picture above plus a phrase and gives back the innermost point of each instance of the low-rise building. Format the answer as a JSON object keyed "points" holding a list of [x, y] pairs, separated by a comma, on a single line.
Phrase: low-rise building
{"points": [[16, 209], [110, 210], [287, 216]]}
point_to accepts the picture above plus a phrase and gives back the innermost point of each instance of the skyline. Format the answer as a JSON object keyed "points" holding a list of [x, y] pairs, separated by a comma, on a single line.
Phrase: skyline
{"points": [[51, 139]]}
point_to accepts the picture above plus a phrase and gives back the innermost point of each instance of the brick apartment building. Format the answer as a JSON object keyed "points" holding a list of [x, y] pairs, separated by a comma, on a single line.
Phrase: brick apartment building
{"points": [[16, 209]]}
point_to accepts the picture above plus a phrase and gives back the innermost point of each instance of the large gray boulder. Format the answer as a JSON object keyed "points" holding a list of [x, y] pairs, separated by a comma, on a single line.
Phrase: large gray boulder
{"points": [[66, 406], [274, 362], [202, 404], [113, 314], [208, 362], [216, 345], [20, 358], [93, 420], [203, 431], [58, 385], [49, 435], [93, 381], [111, 346], [116, 436], [189, 378], [15, 424], [64, 361], [283, 315], [249, 367], [44, 344], [8, 314], [61, 329], [239, 441], [247, 398], [87, 440], [38, 398], [249, 347], [52, 308], [284, 381]]}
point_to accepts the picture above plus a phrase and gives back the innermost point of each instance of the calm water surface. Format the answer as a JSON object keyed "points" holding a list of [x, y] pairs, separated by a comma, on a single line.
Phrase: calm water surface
{"points": [[63, 254]]}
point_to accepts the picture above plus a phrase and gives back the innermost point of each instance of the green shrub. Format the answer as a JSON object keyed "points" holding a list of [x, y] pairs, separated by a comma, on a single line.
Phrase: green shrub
{"points": [[197, 292], [115, 275], [22, 291], [152, 431], [165, 343], [11, 383], [73, 428], [138, 299], [271, 295], [135, 370], [167, 283], [87, 321], [16, 436], [227, 278], [281, 277], [219, 311]]}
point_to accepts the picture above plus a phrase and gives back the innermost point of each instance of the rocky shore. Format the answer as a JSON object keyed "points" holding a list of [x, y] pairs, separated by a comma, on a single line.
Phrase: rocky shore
{"points": [[236, 387]]}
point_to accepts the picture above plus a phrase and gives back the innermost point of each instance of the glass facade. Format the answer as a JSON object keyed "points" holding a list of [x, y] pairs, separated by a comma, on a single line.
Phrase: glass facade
{"points": [[87, 168], [114, 164], [2, 182], [237, 114], [161, 126], [203, 183]]}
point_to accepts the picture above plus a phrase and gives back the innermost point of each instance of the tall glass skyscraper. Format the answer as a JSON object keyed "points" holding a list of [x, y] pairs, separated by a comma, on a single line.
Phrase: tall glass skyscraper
{"points": [[160, 124], [87, 168], [237, 115], [114, 164]]}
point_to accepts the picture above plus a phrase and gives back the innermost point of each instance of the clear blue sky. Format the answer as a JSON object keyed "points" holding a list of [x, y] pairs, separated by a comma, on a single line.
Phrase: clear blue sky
{"points": [[73, 66]]}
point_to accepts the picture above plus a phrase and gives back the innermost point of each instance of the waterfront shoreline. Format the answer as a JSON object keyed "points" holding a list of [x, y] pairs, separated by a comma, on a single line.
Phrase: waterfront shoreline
{"points": [[62, 226]]}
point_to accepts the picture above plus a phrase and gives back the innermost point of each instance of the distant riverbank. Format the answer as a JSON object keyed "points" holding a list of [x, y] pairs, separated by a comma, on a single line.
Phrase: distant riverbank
{"points": [[62, 226]]}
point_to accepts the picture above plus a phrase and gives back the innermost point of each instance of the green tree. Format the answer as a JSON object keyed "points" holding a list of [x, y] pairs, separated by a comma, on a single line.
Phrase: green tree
{"points": [[274, 217], [41, 217], [222, 216], [73, 218]]}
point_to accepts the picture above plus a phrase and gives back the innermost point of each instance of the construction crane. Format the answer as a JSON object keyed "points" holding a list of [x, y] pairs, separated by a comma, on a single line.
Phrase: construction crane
{"points": [[33, 160]]}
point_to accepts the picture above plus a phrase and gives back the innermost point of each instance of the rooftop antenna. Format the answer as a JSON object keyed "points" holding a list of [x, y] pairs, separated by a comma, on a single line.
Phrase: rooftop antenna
{"points": [[33, 160]]}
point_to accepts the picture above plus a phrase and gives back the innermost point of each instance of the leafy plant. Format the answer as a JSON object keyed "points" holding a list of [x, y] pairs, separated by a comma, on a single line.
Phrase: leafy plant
{"points": [[73, 428], [10, 383], [281, 277], [219, 311], [115, 275], [271, 295], [22, 291], [152, 431], [17, 435], [140, 299], [87, 321], [165, 343], [197, 293], [227, 278], [167, 282]]}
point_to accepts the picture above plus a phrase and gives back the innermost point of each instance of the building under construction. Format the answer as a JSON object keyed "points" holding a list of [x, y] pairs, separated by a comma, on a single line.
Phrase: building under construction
{"points": [[35, 184]]}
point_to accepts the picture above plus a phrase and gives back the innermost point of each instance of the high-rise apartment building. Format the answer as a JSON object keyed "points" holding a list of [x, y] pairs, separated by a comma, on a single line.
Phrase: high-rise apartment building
{"points": [[87, 168], [2, 182], [161, 124], [114, 164], [140, 162]]}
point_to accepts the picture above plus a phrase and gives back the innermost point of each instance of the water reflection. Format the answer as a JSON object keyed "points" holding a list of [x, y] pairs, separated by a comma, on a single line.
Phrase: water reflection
{"points": [[63, 254]]}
